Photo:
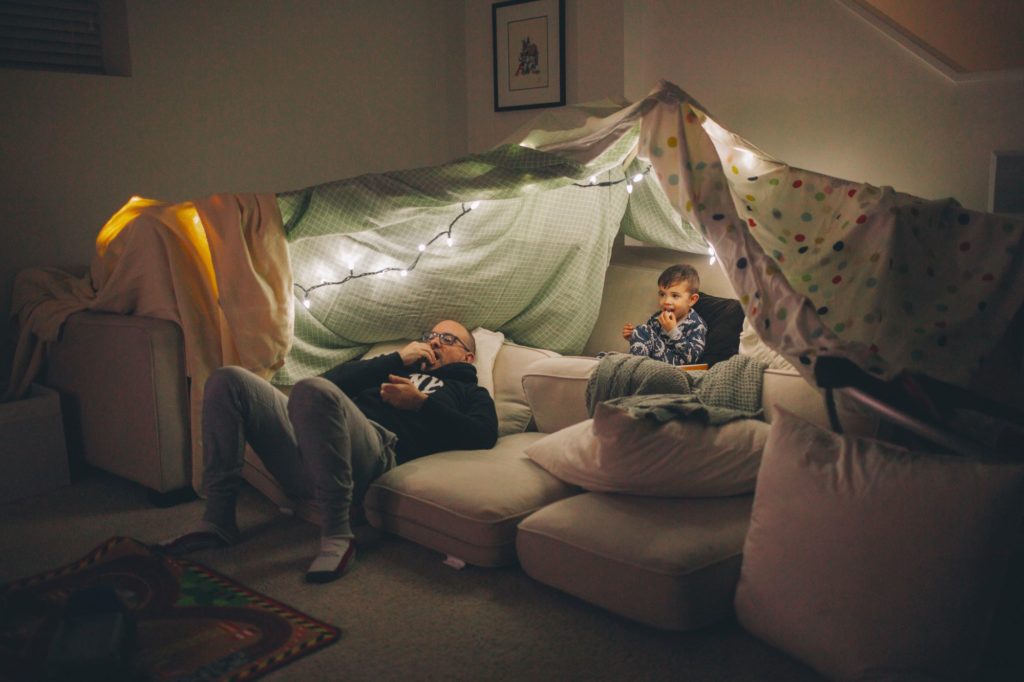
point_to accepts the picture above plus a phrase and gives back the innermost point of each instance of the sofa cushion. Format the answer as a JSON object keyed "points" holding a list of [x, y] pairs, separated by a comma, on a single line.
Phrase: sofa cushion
{"points": [[556, 389], [509, 396], [865, 558], [616, 452], [671, 563], [752, 345], [465, 503]]}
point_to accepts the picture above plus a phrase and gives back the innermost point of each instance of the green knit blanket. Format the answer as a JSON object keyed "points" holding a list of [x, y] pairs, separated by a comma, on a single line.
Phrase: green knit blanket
{"points": [[650, 388]]}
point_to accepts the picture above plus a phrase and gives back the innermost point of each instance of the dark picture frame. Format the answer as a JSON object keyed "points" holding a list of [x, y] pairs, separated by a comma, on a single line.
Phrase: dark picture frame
{"points": [[528, 39]]}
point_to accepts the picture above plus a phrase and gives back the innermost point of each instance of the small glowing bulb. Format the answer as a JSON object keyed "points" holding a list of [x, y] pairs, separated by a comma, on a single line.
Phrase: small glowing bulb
{"points": [[593, 179], [475, 205], [638, 177], [422, 247], [405, 273], [629, 188], [450, 241], [305, 301]]}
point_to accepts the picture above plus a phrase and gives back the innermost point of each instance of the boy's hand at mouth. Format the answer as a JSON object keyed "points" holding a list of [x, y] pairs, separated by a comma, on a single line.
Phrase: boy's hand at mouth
{"points": [[667, 320]]}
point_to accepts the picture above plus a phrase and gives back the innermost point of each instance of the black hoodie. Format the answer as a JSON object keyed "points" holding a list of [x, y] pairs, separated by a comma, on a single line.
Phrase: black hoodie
{"points": [[457, 415]]}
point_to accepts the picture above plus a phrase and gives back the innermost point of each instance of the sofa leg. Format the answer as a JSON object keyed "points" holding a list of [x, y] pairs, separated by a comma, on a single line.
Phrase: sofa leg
{"points": [[454, 561], [171, 498]]}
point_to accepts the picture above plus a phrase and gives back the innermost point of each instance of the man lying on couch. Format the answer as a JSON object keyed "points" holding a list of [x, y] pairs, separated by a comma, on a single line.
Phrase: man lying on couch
{"points": [[336, 433]]}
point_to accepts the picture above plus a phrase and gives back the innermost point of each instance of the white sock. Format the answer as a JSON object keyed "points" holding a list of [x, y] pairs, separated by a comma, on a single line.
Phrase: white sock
{"points": [[334, 558]]}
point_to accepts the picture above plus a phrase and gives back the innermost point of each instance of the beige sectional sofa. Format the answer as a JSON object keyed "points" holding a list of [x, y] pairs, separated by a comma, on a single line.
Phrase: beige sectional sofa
{"points": [[669, 562]]}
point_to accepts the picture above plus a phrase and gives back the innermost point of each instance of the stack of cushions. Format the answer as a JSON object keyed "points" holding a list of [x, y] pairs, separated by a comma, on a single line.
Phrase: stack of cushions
{"points": [[724, 317], [865, 559], [616, 452], [659, 537]]}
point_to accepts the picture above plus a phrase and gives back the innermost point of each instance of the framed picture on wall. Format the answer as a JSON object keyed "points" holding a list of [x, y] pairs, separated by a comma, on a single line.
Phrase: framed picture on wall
{"points": [[529, 54]]}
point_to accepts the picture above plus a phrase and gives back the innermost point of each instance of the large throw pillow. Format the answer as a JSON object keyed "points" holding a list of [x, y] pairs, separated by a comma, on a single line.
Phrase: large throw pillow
{"points": [[864, 559], [724, 317], [615, 452]]}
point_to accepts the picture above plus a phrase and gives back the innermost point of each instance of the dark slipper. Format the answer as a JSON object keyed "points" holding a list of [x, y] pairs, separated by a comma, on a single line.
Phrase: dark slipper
{"points": [[196, 541]]}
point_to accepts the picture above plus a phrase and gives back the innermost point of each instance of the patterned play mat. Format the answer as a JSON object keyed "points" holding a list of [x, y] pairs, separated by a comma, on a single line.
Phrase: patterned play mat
{"points": [[187, 622]]}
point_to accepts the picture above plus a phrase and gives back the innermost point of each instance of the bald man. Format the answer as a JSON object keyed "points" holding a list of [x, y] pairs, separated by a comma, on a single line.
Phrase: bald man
{"points": [[336, 433]]}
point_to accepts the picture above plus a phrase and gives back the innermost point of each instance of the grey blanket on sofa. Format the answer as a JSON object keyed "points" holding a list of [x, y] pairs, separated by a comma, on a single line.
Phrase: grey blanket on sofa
{"points": [[650, 388]]}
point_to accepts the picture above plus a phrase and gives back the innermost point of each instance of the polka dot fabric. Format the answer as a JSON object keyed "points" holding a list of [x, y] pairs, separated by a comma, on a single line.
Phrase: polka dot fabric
{"points": [[829, 266], [821, 265]]}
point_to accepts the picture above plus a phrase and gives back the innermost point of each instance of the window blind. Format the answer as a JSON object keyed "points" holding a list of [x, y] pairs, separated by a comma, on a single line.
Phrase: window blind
{"points": [[56, 35]]}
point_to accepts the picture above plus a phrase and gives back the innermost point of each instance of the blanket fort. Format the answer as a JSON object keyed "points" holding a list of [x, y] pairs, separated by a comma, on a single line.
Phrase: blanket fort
{"points": [[822, 266]]}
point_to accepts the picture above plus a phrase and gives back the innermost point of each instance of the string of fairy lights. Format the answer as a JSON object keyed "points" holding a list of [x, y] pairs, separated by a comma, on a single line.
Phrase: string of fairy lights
{"points": [[449, 240]]}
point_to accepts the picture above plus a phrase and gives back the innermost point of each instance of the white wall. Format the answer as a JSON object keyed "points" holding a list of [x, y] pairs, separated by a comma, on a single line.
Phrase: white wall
{"points": [[818, 87], [593, 55], [230, 95], [807, 81]]}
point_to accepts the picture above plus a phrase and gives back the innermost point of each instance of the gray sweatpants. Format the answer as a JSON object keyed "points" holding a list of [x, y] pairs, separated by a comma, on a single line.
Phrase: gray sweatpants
{"points": [[315, 442]]}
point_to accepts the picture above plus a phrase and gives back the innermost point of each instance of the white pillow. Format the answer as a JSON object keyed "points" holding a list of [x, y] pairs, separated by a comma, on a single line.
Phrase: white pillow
{"points": [[865, 559], [614, 452], [488, 344]]}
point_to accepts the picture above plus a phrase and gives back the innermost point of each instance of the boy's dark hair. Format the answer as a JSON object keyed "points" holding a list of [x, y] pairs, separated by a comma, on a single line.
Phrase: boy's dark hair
{"points": [[680, 273]]}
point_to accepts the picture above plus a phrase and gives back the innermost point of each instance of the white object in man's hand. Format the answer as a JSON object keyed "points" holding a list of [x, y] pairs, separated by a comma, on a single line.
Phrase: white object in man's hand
{"points": [[401, 393]]}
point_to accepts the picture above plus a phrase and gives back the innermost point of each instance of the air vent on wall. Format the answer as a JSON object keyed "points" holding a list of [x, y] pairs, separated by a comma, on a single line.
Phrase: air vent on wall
{"points": [[81, 36]]}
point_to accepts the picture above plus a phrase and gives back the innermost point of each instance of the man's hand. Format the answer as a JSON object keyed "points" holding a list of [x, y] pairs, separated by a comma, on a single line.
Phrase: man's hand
{"points": [[419, 354], [401, 393], [627, 331], [667, 320]]}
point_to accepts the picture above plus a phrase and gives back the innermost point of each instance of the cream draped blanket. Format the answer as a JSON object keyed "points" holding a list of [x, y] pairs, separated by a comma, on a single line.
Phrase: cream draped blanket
{"points": [[218, 267]]}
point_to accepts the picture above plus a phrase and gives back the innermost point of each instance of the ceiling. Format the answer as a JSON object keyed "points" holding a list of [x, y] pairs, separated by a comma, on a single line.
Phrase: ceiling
{"points": [[965, 39]]}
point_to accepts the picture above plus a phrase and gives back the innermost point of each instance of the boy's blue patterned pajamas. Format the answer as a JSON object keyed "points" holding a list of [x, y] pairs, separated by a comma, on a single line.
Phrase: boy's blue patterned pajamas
{"points": [[683, 346]]}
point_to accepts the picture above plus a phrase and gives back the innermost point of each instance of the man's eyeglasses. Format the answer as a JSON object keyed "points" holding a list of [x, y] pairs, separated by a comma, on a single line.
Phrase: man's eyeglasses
{"points": [[446, 339]]}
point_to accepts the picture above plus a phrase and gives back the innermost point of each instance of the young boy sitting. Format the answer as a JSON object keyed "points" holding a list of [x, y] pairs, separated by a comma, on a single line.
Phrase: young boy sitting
{"points": [[675, 333]]}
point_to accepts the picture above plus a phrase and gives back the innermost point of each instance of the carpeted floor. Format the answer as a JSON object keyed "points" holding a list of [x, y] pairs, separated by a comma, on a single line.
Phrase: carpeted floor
{"points": [[403, 614]]}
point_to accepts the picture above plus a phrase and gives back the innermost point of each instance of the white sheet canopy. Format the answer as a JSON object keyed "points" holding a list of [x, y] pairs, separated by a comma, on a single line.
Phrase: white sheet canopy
{"points": [[822, 266]]}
